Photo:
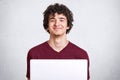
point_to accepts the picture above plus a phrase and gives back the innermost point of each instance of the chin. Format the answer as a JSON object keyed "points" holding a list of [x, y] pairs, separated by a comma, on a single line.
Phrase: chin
{"points": [[59, 34]]}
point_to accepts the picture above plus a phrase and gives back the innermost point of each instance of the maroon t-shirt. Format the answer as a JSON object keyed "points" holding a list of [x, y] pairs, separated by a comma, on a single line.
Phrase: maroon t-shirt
{"points": [[44, 51]]}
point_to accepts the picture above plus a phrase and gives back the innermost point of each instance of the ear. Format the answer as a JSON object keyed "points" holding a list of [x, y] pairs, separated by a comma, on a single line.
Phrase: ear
{"points": [[68, 27]]}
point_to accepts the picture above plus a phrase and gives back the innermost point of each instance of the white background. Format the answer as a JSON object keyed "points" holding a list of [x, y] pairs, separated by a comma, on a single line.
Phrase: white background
{"points": [[96, 29]]}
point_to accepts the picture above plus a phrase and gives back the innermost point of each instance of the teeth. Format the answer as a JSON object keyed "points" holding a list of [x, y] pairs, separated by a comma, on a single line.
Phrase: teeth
{"points": [[57, 28]]}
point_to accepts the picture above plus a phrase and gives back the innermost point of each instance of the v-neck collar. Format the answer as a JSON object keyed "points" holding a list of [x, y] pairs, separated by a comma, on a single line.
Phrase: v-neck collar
{"points": [[55, 50]]}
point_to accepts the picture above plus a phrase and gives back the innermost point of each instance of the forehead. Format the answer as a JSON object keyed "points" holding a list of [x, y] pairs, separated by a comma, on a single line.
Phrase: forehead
{"points": [[57, 15]]}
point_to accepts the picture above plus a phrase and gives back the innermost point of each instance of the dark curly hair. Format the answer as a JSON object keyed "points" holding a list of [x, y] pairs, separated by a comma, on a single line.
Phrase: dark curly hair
{"points": [[60, 9]]}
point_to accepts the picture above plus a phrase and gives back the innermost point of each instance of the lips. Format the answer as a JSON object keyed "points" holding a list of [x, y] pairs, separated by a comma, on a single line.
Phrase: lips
{"points": [[57, 28]]}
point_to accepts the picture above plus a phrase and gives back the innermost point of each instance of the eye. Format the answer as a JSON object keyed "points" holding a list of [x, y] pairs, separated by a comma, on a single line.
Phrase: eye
{"points": [[52, 20], [61, 20]]}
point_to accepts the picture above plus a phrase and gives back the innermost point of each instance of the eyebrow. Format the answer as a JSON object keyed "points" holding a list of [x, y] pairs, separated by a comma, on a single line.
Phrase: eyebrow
{"points": [[61, 18], [51, 18], [54, 18]]}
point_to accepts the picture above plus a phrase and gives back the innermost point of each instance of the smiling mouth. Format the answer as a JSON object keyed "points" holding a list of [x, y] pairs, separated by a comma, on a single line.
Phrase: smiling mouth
{"points": [[57, 28]]}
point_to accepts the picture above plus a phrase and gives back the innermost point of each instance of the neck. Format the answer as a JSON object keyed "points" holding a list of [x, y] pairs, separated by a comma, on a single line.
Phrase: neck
{"points": [[58, 43]]}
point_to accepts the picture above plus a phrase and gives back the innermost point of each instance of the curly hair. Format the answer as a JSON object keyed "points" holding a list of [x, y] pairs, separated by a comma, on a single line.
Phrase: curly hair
{"points": [[60, 9]]}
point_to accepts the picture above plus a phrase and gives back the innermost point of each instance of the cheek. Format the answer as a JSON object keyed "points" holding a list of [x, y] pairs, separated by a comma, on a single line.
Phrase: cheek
{"points": [[67, 27], [50, 25]]}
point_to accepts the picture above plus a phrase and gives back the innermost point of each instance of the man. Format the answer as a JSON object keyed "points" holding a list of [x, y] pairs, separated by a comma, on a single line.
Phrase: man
{"points": [[57, 22]]}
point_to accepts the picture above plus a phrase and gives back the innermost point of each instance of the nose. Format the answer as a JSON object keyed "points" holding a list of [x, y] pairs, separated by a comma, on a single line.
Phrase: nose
{"points": [[56, 22]]}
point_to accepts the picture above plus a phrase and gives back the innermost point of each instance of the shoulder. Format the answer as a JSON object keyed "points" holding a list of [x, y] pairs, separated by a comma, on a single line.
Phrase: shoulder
{"points": [[37, 48], [78, 51], [75, 47]]}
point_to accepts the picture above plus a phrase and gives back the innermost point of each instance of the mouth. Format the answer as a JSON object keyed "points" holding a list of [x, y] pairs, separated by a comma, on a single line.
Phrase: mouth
{"points": [[57, 28]]}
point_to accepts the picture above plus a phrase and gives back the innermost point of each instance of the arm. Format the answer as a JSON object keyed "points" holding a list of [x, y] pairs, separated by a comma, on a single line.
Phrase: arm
{"points": [[28, 66]]}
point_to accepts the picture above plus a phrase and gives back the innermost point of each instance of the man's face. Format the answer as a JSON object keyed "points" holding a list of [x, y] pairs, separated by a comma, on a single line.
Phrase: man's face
{"points": [[57, 24]]}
